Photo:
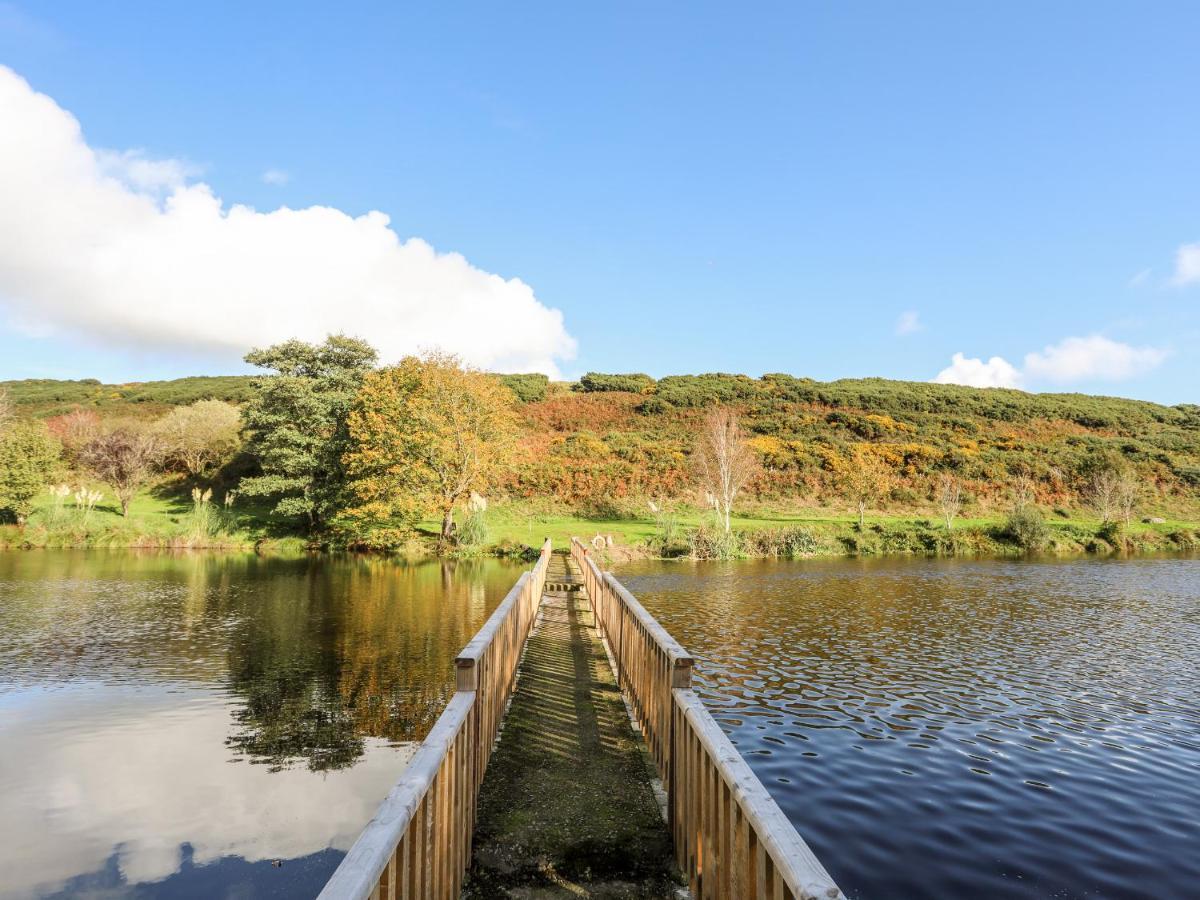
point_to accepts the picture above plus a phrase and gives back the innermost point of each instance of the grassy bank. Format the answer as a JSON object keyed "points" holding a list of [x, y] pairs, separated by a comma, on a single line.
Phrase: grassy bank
{"points": [[165, 517], [815, 532]]}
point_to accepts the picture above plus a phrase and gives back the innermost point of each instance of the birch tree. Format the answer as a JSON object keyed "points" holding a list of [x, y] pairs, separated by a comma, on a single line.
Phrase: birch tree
{"points": [[726, 461], [949, 498]]}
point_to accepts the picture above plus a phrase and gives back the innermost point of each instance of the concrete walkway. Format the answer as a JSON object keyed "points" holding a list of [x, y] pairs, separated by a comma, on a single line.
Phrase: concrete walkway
{"points": [[566, 808]]}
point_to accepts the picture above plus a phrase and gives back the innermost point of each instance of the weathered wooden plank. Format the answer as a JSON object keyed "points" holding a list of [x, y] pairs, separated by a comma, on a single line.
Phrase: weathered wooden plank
{"points": [[797, 865], [359, 872]]}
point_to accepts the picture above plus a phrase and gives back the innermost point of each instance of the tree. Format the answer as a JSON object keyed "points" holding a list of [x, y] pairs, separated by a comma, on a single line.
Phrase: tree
{"points": [[428, 432], [1128, 494], [124, 459], [949, 498], [725, 459], [6, 409], [198, 437], [865, 481], [28, 456], [1024, 491], [296, 423], [1102, 491]]}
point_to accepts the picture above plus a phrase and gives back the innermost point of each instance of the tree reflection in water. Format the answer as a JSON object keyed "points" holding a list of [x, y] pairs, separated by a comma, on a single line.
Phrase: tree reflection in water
{"points": [[348, 649]]}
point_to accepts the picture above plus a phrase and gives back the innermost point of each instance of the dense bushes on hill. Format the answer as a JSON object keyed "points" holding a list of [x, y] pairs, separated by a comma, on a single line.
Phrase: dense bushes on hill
{"points": [[48, 397], [528, 388], [598, 383], [612, 439]]}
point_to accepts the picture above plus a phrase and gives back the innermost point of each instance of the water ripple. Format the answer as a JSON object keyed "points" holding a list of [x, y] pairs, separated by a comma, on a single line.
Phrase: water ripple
{"points": [[952, 728]]}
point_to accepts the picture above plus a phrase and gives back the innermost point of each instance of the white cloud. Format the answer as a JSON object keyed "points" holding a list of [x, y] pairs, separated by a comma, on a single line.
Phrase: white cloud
{"points": [[908, 323], [132, 251], [1140, 278], [71, 819], [1187, 264], [276, 177], [997, 372], [1093, 357]]}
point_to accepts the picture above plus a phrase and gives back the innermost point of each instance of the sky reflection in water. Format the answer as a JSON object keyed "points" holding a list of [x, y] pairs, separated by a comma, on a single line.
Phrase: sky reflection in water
{"points": [[172, 725]]}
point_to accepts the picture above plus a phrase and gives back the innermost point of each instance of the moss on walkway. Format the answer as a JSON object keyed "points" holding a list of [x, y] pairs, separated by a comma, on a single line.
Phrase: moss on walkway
{"points": [[566, 808]]}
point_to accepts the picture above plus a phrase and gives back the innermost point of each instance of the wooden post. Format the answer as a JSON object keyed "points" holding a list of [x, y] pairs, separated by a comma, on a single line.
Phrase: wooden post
{"points": [[466, 673]]}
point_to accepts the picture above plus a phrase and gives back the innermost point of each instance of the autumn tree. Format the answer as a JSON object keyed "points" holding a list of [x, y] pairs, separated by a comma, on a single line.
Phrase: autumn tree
{"points": [[296, 423], [28, 457], [865, 481], [725, 460], [198, 437], [949, 498], [124, 458], [426, 433]]}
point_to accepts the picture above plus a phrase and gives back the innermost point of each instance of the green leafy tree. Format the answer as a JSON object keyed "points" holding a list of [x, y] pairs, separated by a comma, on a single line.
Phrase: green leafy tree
{"points": [[428, 432], [28, 456], [296, 423]]}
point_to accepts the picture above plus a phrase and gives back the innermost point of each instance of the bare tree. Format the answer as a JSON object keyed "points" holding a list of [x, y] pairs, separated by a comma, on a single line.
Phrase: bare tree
{"points": [[949, 498], [726, 461], [1127, 494], [1024, 492], [6, 409], [1102, 491], [865, 481], [124, 459]]}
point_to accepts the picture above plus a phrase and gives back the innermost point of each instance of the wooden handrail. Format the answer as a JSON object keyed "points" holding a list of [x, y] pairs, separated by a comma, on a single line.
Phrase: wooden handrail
{"points": [[731, 838], [418, 844]]}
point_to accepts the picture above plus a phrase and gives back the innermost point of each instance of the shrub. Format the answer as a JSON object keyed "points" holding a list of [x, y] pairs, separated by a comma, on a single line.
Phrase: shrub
{"points": [[789, 543], [709, 542], [473, 533], [1026, 527], [28, 456], [597, 382], [529, 388], [1113, 534]]}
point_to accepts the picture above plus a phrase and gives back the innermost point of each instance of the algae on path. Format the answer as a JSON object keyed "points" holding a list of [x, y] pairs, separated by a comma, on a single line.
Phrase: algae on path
{"points": [[567, 808]]}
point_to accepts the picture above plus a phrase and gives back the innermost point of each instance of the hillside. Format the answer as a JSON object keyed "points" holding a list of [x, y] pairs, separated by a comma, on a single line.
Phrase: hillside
{"points": [[604, 444]]}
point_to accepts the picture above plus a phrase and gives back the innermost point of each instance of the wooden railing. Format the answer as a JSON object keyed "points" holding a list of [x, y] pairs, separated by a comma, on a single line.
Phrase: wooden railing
{"points": [[418, 845], [731, 838]]}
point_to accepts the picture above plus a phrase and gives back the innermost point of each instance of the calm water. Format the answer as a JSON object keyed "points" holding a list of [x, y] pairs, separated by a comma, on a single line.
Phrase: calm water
{"points": [[174, 726], [961, 729]]}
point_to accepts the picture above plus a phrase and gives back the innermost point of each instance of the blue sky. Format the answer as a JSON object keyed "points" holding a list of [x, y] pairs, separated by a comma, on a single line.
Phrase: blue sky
{"points": [[831, 190]]}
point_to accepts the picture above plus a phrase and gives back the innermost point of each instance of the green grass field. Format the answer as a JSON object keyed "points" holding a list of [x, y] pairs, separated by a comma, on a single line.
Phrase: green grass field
{"points": [[164, 516]]}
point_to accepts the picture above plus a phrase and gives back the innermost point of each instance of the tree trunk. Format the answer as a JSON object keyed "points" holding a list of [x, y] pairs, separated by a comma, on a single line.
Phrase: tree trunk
{"points": [[862, 516], [124, 507], [447, 523], [727, 520]]}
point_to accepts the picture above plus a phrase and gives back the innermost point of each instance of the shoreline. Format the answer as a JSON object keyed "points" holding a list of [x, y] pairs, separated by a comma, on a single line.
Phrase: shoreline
{"points": [[813, 539]]}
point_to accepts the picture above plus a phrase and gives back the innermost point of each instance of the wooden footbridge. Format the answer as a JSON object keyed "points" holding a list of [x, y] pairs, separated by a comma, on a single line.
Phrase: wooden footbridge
{"points": [[574, 760]]}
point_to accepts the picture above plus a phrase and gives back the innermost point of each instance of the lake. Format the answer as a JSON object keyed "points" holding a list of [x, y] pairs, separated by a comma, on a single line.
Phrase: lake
{"points": [[210, 725], [952, 728]]}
